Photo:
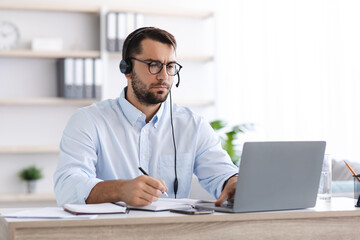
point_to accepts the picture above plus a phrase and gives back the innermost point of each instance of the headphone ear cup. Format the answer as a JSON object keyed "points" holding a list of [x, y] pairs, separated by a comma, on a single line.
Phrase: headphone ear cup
{"points": [[125, 66]]}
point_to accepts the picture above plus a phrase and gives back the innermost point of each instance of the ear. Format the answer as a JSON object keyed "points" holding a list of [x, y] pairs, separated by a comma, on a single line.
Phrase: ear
{"points": [[128, 76]]}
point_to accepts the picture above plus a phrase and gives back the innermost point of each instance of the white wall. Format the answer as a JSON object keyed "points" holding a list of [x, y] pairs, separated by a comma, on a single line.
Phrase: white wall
{"points": [[292, 67]]}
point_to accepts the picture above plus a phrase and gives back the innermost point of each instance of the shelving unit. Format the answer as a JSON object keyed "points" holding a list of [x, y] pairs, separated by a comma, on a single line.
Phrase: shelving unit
{"points": [[29, 150], [48, 54], [40, 105], [46, 102]]}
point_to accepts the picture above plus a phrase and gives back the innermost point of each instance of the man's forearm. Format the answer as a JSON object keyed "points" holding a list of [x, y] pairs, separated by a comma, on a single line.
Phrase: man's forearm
{"points": [[107, 191]]}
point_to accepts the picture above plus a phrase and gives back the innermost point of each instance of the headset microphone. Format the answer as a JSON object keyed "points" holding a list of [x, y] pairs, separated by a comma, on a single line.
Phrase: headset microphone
{"points": [[178, 83]]}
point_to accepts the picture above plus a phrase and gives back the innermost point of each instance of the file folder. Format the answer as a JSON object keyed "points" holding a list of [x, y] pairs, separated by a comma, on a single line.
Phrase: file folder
{"points": [[79, 78], [89, 78], [98, 78], [111, 32], [65, 78]]}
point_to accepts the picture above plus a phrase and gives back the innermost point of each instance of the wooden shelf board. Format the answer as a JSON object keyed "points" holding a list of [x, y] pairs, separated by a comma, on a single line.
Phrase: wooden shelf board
{"points": [[190, 13], [85, 8], [206, 103], [93, 8], [23, 197], [29, 149], [195, 58], [46, 102], [49, 54]]}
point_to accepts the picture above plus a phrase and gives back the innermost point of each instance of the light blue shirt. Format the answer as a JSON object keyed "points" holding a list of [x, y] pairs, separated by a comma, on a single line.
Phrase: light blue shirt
{"points": [[110, 140]]}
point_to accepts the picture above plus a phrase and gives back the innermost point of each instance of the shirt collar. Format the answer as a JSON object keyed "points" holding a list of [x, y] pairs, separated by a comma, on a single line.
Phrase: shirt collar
{"points": [[133, 114]]}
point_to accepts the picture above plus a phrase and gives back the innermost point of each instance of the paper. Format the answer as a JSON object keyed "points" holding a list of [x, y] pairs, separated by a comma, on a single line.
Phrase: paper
{"points": [[100, 208], [164, 204], [46, 213]]}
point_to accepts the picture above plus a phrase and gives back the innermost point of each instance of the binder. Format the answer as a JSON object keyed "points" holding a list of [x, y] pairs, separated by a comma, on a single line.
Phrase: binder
{"points": [[139, 20], [79, 78], [65, 78], [88, 77], [98, 78], [130, 22], [111, 32], [121, 30]]}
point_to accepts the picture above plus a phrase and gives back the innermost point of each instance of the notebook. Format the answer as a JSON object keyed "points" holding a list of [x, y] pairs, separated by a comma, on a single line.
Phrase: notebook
{"points": [[276, 176], [98, 208], [163, 204]]}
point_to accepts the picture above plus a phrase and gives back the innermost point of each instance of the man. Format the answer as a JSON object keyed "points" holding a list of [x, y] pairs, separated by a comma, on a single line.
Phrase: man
{"points": [[103, 145]]}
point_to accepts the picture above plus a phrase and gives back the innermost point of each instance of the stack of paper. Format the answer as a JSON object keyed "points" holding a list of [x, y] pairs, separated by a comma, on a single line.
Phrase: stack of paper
{"points": [[46, 213]]}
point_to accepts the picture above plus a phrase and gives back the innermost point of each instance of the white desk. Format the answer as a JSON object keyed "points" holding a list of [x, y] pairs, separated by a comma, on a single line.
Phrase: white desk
{"points": [[338, 220]]}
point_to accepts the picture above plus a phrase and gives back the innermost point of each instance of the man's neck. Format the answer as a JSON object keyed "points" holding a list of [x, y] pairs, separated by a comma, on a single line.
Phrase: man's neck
{"points": [[148, 109]]}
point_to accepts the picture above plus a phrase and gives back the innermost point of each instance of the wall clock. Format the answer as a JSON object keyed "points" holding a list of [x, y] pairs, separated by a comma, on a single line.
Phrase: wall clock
{"points": [[9, 35]]}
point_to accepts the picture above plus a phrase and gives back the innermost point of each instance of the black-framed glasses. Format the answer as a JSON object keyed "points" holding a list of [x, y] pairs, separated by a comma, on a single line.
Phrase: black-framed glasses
{"points": [[155, 67]]}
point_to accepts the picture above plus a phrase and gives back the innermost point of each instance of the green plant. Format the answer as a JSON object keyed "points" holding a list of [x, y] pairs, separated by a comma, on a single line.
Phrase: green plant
{"points": [[30, 173], [229, 136]]}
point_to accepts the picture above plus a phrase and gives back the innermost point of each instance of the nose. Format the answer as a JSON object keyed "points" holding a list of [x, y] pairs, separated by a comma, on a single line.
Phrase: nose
{"points": [[163, 75]]}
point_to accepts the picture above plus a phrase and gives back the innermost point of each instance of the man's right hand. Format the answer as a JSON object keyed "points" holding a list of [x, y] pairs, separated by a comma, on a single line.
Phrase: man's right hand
{"points": [[140, 191]]}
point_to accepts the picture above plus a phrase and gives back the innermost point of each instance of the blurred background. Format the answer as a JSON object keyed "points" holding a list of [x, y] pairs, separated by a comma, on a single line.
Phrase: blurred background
{"points": [[289, 67]]}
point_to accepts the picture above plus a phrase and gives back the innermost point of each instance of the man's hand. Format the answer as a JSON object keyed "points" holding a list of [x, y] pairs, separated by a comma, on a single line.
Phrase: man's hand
{"points": [[229, 191], [140, 191]]}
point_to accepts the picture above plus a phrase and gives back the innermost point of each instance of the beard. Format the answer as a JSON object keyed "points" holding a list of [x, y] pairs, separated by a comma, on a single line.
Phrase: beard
{"points": [[144, 95]]}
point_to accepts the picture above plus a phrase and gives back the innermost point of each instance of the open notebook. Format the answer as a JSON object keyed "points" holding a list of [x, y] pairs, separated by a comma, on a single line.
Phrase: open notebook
{"points": [[164, 204]]}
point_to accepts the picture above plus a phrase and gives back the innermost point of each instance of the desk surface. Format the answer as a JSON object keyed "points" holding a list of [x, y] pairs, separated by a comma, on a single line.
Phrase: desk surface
{"points": [[336, 220]]}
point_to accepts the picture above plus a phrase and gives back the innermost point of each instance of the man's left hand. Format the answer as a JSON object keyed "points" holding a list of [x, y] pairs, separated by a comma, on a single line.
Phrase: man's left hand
{"points": [[229, 191]]}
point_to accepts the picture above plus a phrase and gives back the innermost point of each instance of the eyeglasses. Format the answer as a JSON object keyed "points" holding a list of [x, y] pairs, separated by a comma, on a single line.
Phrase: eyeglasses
{"points": [[155, 67]]}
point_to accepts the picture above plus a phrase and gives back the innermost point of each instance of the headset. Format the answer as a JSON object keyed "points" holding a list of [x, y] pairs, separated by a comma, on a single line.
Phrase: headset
{"points": [[125, 67]]}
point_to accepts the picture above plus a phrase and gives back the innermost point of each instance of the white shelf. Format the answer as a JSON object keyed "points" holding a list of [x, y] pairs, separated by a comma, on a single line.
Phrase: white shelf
{"points": [[163, 12], [29, 150], [22, 197], [194, 58], [86, 8], [49, 54], [92, 8], [206, 103], [46, 102]]}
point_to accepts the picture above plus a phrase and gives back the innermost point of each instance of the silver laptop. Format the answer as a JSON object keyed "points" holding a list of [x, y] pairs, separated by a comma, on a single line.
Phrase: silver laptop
{"points": [[276, 176]]}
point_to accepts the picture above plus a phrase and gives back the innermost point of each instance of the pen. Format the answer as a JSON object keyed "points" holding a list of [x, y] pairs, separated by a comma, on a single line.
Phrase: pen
{"points": [[145, 173], [352, 171]]}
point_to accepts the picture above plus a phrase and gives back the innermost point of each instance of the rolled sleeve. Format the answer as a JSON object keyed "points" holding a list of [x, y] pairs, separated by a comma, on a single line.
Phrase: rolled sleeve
{"points": [[213, 165], [75, 175]]}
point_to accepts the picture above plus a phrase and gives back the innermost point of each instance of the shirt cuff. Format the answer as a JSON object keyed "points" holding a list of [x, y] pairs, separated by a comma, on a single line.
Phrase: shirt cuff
{"points": [[84, 188], [236, 174]]}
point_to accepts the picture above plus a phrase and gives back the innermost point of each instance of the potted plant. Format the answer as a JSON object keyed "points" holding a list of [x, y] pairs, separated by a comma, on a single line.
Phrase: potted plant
{"points": [[31, 175], [229, 136]]}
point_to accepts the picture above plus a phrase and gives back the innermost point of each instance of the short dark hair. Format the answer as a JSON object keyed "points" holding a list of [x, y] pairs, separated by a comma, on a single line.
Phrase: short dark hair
{"points": [[132, 44]]}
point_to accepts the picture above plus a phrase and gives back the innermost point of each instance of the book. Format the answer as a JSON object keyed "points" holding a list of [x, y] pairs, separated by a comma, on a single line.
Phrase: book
{"points": [[164, 204], [98, 208]]}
